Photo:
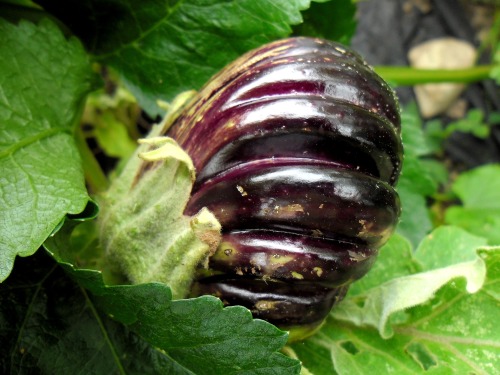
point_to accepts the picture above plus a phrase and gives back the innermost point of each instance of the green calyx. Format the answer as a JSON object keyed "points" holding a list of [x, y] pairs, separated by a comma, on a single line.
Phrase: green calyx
{"points": [[142, 227]]}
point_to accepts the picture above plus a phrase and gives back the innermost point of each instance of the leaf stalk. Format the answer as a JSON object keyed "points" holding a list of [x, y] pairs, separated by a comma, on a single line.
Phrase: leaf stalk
{"points": [[407, 76]]}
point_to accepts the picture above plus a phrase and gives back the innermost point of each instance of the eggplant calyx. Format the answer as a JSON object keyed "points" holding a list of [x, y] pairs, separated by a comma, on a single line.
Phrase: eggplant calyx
{"points": [[142, 226], [208, 230], [166, 148]]}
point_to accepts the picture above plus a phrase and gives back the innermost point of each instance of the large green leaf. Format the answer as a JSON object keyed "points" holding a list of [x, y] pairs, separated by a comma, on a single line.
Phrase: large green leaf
{"points": [[196, 335], [433, 322], [44, 79], [160, 48]]}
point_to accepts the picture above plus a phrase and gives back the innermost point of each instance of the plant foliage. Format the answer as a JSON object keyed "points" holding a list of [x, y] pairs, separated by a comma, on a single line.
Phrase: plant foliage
{"points": [[428, 306]]}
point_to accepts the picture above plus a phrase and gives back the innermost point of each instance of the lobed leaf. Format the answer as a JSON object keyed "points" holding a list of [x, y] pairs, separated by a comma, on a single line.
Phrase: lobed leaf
{"points": [[44, 79], [196, 335]]}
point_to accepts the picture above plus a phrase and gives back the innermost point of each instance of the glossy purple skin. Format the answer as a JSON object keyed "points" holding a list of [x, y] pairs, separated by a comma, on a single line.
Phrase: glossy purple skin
{"points": [[287, 256], [319, 72], [306, 199], [316, 130], [285, 304], [297, 149]]}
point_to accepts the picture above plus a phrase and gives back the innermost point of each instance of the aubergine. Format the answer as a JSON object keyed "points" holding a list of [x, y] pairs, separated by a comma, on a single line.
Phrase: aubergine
{"points": [[297, 149]]}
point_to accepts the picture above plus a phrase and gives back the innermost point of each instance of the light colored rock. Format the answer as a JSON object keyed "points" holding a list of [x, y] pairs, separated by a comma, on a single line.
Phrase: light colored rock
{"points": [[442, 53]]}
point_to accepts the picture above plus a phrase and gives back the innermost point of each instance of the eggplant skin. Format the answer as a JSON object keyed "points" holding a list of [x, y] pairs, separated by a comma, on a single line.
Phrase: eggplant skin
{"points": [[297, 148]]}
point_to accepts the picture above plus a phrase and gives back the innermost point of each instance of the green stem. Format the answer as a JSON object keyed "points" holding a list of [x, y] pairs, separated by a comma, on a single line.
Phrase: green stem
{"points": [[94, 176], [407, 76]]}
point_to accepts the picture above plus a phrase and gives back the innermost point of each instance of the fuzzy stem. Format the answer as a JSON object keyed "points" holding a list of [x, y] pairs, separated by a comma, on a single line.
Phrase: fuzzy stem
{"points": [[407, 76], [94, 176]]}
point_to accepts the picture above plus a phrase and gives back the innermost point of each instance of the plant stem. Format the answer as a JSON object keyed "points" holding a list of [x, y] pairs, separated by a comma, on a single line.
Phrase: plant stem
{"points": [[94, 176], [407, 76]]}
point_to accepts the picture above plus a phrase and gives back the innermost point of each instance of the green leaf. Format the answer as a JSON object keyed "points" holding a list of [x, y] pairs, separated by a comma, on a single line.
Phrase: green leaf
{"points": [[44, 79], [447, 246], [196, 335], [376, 307], [414, 222], [334, 20], [480, 213], [49, 324], [113, 118], [482, 222], [441, 324], [495, 72], [388, 266], [478, 188], [414, 139], [473, 123], [16, 10], [161, 48], [417, 182], [437, 171]]}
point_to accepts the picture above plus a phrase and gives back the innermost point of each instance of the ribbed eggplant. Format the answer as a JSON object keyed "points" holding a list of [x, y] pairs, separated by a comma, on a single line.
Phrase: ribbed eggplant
{"points": [[297, 149]]}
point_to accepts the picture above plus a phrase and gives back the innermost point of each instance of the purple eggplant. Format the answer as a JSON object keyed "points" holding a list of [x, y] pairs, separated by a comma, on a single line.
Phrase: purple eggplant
{"points": [[297, 149]]}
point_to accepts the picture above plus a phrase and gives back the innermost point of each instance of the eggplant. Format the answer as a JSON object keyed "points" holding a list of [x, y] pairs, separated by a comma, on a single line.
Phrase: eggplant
{"points": [[297, 148]]}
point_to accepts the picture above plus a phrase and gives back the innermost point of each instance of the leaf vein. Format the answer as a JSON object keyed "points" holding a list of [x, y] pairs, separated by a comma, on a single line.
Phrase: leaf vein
{"points": [[104, 332], [445, 339], [28, 314]]}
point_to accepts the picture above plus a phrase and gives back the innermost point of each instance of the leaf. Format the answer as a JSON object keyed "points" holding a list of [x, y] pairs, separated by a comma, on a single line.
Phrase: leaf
{"points": [[450, 331], [197, 335], [44, 79], [49, 325], [112, 119], [416, 182], [414, 222], [388, 266], [479, 187], [495, 71], [473, 123], [376, 307], [480, 213], [414, 139], [480, 221], [327, 19], [161, 48]]}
